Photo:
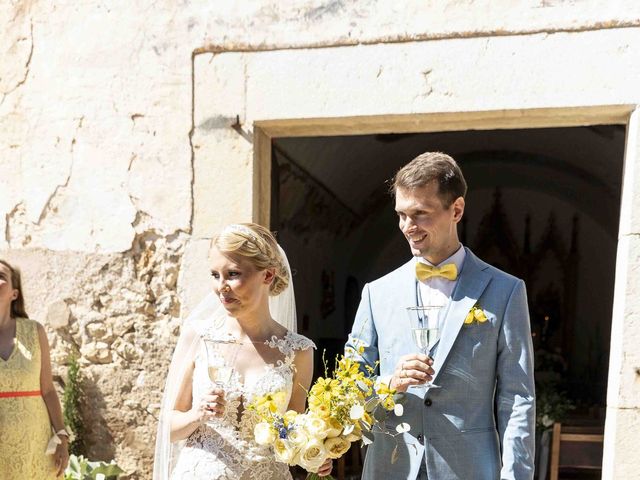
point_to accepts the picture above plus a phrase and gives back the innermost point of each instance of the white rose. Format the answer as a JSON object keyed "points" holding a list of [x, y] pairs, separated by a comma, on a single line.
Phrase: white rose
{"points": [[336, 447], [298, 436], [312, 456], [315, 426], [285, 452], [264, 434]]}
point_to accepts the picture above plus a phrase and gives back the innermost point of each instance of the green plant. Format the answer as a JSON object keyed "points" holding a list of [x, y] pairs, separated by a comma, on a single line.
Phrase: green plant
{"points": [[82, 469], [552, 403], [71, 400]]}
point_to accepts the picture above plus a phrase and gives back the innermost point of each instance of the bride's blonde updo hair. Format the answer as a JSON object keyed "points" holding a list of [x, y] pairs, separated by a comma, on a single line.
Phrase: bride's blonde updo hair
{"points": [[259, 246]]}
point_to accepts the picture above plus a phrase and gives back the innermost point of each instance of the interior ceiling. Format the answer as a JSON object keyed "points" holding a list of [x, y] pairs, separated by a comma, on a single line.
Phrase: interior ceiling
{"points": [[580, 164]]}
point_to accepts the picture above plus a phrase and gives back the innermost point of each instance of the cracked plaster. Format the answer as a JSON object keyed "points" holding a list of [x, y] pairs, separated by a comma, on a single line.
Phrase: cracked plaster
{"points": [[105, 155]]}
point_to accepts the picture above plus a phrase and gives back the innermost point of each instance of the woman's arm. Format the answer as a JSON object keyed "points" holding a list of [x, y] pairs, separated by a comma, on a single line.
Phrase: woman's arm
{"points": [[301, 382], [187, 417], [51, 400], [303, 364], [183, 422]]}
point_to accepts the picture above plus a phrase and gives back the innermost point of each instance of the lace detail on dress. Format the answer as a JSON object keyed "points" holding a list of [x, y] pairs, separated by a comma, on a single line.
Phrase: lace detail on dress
{"points": [[225, 449], [290, 343]]}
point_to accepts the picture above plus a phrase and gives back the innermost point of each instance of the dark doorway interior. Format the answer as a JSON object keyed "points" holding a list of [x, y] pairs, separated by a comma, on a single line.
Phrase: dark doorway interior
{"points": [[543, 204]]}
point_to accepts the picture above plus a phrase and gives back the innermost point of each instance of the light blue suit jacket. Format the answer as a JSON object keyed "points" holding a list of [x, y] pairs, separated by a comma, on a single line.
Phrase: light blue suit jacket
{"points": [[480, 423]]}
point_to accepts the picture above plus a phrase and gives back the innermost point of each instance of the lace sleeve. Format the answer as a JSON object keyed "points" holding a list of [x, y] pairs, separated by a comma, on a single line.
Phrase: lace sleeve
{"points": [[290, 343]]}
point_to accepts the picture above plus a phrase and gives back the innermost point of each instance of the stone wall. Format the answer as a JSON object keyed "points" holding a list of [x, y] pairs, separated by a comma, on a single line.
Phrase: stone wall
{"points": [[111, 184]]}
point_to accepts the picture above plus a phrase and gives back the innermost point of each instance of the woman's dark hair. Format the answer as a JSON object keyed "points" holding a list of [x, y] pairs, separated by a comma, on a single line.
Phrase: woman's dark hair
{"points": [[17, 306]]}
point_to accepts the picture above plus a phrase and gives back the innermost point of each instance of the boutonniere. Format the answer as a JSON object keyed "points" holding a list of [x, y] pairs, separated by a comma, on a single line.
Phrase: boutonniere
{"points": [[476, 314]]}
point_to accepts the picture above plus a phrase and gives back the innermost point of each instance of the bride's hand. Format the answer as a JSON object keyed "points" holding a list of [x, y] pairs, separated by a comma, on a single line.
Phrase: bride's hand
{"points": [[325, 468], [210, 405]]}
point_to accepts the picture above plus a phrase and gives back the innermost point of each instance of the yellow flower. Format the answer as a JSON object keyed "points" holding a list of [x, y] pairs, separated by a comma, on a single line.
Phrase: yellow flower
{"points": [[475, 314], [323, 410], [271, 402], [385, 394], [368, 420], [355, 434], [479, 315], [333, 427], [324, 388], [469, 318], [336, 447], [348, 368]]}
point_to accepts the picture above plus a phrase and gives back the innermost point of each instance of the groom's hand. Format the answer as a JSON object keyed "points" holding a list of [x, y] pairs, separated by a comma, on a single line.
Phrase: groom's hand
{"points": [[414, 369]]}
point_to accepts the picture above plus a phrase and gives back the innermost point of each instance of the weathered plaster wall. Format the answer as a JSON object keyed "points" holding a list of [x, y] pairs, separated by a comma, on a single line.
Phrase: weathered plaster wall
{"points": [[111, 181]]}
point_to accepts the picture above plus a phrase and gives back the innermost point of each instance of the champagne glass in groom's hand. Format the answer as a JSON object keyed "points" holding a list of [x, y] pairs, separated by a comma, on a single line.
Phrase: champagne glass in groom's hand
{"points": [[415, 369], [425, 328]]}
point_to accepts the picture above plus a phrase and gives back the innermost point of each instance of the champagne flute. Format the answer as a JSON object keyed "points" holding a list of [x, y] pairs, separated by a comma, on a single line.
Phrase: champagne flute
{"points": [[221, 357], [425, 329]]}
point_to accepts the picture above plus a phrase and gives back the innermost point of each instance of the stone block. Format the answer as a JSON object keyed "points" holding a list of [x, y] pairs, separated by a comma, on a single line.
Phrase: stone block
{"points": [[96, 352], [58, 315]]}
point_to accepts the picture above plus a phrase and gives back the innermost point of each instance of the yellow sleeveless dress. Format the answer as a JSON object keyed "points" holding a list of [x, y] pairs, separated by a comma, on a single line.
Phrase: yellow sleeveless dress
{"points": [[24, 422]]}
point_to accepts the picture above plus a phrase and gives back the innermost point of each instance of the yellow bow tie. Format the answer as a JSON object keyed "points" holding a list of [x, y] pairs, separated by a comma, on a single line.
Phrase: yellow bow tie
{"points": [[448, 271]]}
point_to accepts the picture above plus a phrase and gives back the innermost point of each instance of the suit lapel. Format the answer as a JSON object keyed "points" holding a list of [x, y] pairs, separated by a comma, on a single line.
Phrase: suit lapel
{"points": [[471, 283], [408, 291]]}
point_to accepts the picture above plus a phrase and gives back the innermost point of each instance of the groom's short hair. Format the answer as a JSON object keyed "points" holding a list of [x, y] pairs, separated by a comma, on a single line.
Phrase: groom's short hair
{"points": [[432, 167]]}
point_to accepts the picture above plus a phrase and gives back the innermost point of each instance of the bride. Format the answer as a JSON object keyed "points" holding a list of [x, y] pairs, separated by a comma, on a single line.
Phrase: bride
{"points": [[206, 432]]}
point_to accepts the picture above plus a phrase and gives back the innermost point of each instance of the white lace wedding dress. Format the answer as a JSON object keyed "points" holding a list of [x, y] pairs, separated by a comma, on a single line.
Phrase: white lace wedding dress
{"points": [[227, 451]]}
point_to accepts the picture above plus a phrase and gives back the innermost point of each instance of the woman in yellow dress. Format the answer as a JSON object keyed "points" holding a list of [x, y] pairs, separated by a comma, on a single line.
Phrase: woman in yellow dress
{"points": [[29, 406]]}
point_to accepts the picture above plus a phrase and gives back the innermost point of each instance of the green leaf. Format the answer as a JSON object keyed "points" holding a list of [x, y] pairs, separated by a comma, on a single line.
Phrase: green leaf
{"points": [[371, 404], [367, 437], [399, 397], [394, 455], [380, 414], [80, 468], [108, 469]]}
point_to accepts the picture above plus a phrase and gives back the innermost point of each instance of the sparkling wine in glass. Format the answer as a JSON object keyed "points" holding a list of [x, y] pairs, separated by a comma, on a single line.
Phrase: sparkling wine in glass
{"points": [[425, 329], [221, 357]]}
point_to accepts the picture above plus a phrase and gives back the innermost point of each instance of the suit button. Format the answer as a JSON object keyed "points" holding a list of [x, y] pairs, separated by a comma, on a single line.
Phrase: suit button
{"points": [[427, 402], [420, 439]]}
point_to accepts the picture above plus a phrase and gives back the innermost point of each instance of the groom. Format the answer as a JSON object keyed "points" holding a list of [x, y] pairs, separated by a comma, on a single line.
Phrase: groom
{"points": [[477, 420]]}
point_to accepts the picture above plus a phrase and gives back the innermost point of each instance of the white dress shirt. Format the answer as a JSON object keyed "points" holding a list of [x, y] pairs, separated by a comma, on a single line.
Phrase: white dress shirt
{"points": [[438, 290]]}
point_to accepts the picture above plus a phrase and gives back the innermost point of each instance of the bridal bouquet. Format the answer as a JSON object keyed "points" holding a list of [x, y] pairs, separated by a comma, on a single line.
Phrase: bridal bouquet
{"points": [[342, 408]]}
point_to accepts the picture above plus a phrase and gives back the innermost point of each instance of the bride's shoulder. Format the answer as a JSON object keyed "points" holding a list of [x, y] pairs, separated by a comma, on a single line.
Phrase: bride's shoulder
{"points": [[291, 342], [300, 341]]}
